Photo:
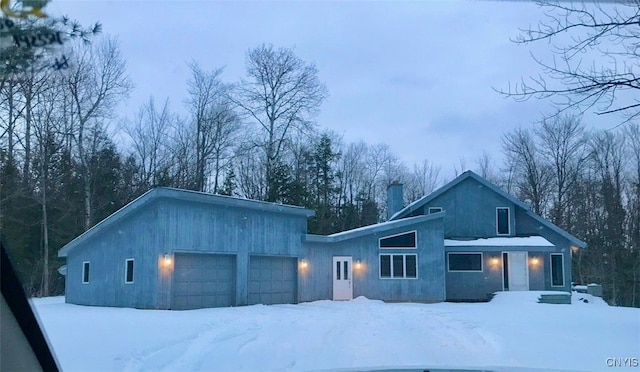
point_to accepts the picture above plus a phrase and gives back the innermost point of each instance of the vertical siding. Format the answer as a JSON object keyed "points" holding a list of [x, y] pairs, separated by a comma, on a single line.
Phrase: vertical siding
{"points": [[475, 286], [536, 272], [471, 210], [428, 287], [195, 227], [168, 226], [134, 237], [478, 286], [529, 226]]}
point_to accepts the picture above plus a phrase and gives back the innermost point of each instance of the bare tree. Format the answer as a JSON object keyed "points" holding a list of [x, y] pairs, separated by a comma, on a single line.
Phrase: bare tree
{"points": [[532, 177], [351, 168], [216, 125], [96, 82], [250, 160], [461, 167], [632, 132], [46, 130], [282, 94], [562, 143], [612, 86], [607, 157], [424, 178], [149, 132]]}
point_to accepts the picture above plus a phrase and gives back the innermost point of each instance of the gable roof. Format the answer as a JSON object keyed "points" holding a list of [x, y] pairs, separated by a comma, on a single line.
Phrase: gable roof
{"points": [[186, 195], [469, 174]]}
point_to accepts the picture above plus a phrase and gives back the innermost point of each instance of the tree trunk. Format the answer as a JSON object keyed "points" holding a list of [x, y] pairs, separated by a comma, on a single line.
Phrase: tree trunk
{"points": [[45, 237], [27, 138]]}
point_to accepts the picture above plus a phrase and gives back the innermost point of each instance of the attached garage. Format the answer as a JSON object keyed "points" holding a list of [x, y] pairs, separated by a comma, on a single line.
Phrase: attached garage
{"points": [[273, 280], [203, 280]]}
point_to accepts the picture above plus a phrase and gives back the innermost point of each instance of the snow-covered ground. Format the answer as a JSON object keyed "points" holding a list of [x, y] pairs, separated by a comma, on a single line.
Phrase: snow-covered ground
{"points": [[510, 332]]}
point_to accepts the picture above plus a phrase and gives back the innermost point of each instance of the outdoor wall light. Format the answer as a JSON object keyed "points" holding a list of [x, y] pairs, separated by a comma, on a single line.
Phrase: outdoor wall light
{"points": [[495, 261], [303, 263], [535, 261], [166, 259], [358, 264]]}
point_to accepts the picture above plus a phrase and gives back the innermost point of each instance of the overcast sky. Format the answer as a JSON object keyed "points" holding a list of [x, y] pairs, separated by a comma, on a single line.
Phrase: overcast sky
{"points": [[415, 75]]}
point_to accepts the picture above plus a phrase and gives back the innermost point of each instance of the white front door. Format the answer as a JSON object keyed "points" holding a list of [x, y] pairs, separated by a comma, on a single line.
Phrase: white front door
{"points": [[518, 272], [342, 281]]}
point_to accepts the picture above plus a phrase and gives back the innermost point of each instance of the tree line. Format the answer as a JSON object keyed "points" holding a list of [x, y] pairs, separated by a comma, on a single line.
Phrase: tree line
{"points": [[67, 164]]}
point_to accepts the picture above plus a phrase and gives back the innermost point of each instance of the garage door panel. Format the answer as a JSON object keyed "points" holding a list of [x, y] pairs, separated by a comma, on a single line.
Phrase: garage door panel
{"points": [[272, 280], [224, 273], [265, 274], [254, 287], [203, 280], [195, 288], [265, 287], [276, 286], [224, 288], [209, 288]]}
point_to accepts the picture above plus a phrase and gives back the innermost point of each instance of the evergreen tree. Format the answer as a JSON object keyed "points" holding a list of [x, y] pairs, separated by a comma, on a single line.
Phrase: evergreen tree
{"points": [[229, 184]]}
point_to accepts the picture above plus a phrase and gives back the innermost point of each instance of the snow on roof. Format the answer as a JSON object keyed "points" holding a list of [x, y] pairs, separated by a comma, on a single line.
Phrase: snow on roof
{"points": [[531, 241]]}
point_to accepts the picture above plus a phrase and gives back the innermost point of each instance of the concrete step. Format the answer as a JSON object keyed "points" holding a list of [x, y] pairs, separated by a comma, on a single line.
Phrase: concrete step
{"points": [[560, 298]]}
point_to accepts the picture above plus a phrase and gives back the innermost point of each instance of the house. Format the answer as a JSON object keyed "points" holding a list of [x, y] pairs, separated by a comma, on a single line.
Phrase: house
{"points": [[178, 249], [494, 242]]}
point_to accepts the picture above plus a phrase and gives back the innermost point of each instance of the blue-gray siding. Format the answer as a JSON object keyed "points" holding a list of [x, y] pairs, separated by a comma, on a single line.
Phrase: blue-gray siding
{"points": [[478, 286], [470, 210], [266, 242], [134, 237], [429, 286]]}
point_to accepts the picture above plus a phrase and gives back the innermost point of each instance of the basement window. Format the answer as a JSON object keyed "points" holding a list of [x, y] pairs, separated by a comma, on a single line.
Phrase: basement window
{"points": [[398, 266], [465, 261], [128, 274], [435, 210], [557, 270], [404, 240], [85, 272]]}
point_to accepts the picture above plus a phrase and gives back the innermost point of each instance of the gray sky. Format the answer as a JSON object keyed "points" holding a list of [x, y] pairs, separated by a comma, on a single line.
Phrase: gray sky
{"points": [[415, 75]]}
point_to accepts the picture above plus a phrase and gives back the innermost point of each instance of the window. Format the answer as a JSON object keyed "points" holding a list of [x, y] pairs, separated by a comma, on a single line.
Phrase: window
{"points": [[465, 261], [557, 270], [346, 270], [85, 272], [505, 270], [502, 221], [128, 272], [404, 240], [435, 210], [398, 266]]}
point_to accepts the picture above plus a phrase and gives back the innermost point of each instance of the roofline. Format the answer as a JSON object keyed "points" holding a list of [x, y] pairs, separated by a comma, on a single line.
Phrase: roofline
{"points": [[232, 201], [187, 195], [461, 243], [467, 174], [366, 230], [579, 243], [126, 210]]}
